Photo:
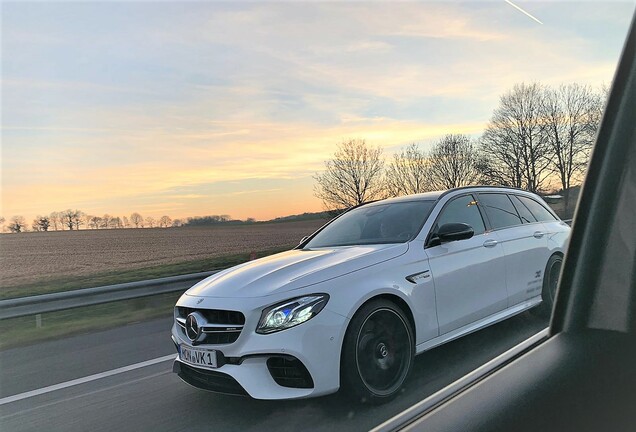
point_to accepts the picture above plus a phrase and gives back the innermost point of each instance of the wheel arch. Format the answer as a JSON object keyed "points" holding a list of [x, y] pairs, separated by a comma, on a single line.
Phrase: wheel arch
{"points": [[402, 304], [395, 299], [390, 297]]}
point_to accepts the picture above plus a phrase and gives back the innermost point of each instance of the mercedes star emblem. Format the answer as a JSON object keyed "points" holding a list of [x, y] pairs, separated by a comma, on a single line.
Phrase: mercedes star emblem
{"points": [[192, 328]]}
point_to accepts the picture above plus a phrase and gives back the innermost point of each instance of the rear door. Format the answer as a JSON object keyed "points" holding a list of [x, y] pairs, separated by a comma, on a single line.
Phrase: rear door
{"points": [[555, 230], [469, 275], [524, 243]]}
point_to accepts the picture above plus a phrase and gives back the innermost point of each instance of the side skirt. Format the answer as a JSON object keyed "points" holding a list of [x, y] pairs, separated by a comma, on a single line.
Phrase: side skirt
{"points": [[477, 325]]}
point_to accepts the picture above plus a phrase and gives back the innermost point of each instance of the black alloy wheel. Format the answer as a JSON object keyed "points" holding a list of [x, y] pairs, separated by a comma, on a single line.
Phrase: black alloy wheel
{"points": [[378, 352], [550, 284]]}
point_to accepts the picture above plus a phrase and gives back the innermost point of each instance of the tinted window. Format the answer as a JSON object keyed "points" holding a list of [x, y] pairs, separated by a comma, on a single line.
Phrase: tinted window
{"points": [[500, 210], [374, 224], [464, 210], [523, 211], [540, 212]]}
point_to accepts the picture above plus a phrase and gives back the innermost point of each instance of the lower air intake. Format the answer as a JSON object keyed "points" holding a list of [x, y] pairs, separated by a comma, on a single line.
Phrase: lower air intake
{"points": [[288, 371]]}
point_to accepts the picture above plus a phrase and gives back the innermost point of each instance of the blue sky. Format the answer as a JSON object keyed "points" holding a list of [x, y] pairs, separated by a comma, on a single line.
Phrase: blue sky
{"points": [[230, 108]]}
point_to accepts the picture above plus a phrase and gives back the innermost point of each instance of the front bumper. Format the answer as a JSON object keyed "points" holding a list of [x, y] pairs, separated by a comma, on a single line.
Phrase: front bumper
{"points": [[244, 367], [208, 379]]}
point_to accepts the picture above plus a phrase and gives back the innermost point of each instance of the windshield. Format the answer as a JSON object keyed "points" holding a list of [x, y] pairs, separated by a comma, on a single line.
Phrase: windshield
{"points": [[374, 224]]}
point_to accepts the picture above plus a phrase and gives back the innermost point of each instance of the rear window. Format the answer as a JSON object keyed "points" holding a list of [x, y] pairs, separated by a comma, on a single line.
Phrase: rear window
{"points": [[500, 210], [526, 215], [539, 212]]}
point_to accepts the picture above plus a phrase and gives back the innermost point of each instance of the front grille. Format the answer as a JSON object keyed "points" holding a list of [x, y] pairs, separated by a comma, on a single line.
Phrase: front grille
{"points": [[288, 371], [215, 316], [222, 326], [209, 380]]}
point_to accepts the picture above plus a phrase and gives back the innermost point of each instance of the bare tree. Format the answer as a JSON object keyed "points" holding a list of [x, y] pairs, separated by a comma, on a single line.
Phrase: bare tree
{"points": [[68, 218], [150, 222], [116, 222], [177, 223], [125, 222], [17, 224], [41, 223], [514, 150], [78, 219], [352, 177], [95, 222], [112, 222], [137, 220], [408, 172], [106, 221], [165, 221], [2, 220], [453, 163], [56, 221], [572, 116], [86, 219]]}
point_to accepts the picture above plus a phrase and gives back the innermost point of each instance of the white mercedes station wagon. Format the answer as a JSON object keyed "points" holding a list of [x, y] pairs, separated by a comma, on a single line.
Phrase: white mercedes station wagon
{"points": [[354, 302]]}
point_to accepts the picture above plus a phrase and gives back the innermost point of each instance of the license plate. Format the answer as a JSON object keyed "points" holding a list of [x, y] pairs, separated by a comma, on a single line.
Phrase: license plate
{"points": [[198, 357]]}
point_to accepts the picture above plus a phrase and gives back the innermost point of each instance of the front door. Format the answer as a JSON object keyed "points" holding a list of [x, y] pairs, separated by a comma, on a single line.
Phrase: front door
{"points": [[469, 275]]}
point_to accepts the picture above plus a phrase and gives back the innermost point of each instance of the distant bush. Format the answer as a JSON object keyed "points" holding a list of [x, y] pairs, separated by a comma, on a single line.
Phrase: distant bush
{"points": [[212, 220]]}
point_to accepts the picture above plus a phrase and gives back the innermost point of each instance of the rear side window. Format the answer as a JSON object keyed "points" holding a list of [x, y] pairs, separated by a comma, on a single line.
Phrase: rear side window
{"points": [[500, 210], [526, 215], [463, 210], [540, 212]]}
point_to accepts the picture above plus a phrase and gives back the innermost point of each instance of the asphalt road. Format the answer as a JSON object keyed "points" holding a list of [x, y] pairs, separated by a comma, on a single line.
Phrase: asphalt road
{"points": [[152, 398]]}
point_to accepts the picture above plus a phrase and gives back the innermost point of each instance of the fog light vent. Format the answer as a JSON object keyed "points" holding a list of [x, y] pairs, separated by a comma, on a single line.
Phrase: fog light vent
{"points": [[288, 371]]}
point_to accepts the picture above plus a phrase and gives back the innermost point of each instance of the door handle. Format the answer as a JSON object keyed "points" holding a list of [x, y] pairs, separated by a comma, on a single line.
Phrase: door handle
{"points": [[490, 243], [538, 234]]}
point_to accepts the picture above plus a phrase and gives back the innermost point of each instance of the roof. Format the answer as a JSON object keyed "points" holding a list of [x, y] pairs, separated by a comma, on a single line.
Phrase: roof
{"points": [[435, 195], [426, 196]]}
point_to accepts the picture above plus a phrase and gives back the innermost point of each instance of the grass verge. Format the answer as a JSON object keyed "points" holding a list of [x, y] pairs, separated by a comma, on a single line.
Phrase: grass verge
{"points": [[23, 331], [68, 283]]}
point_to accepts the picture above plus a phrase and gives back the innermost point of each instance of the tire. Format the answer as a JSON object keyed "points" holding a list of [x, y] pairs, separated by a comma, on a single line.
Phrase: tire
{"points": [[377, 353], [550, 283]]}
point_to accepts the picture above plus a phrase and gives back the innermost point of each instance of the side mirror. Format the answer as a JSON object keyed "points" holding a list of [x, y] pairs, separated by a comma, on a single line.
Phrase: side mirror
{"points": [[303, 240], [454, 231]]}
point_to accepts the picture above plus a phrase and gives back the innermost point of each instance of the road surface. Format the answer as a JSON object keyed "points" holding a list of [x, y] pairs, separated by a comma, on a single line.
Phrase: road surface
{"points": [[121, 380]]}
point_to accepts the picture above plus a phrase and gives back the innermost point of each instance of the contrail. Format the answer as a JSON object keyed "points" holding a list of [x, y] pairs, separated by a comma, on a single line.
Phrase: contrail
{"points": [[523, 11]]}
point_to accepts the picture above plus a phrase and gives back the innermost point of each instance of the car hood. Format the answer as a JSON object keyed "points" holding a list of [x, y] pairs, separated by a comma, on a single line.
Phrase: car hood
{"points": [[293, 269]]}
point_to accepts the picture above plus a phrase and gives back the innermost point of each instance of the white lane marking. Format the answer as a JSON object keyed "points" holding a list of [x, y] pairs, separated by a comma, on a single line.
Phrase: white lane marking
{"points": [[81, 395], [55, 387]]}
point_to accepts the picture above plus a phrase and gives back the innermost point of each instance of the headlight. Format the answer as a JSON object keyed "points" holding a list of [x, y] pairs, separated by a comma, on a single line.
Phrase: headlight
{"points": [[290, 313]]}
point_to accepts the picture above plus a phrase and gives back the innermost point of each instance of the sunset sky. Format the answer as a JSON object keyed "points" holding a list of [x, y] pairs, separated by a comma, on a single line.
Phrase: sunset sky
{"points": [[190, 109]]}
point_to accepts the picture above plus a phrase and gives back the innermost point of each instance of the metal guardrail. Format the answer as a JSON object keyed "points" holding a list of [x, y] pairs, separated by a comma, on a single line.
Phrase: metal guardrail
{"points": [[33, 305]]}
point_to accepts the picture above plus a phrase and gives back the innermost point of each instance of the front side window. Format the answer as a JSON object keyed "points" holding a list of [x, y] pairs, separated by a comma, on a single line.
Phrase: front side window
{"points": [[379, 223], [462, 210], [540, 212], [500, 210]]}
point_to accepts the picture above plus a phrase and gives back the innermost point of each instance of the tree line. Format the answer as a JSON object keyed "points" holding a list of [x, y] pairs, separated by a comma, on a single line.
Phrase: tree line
{"points": [[76, 219], [72, 220], [539, 138]]}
